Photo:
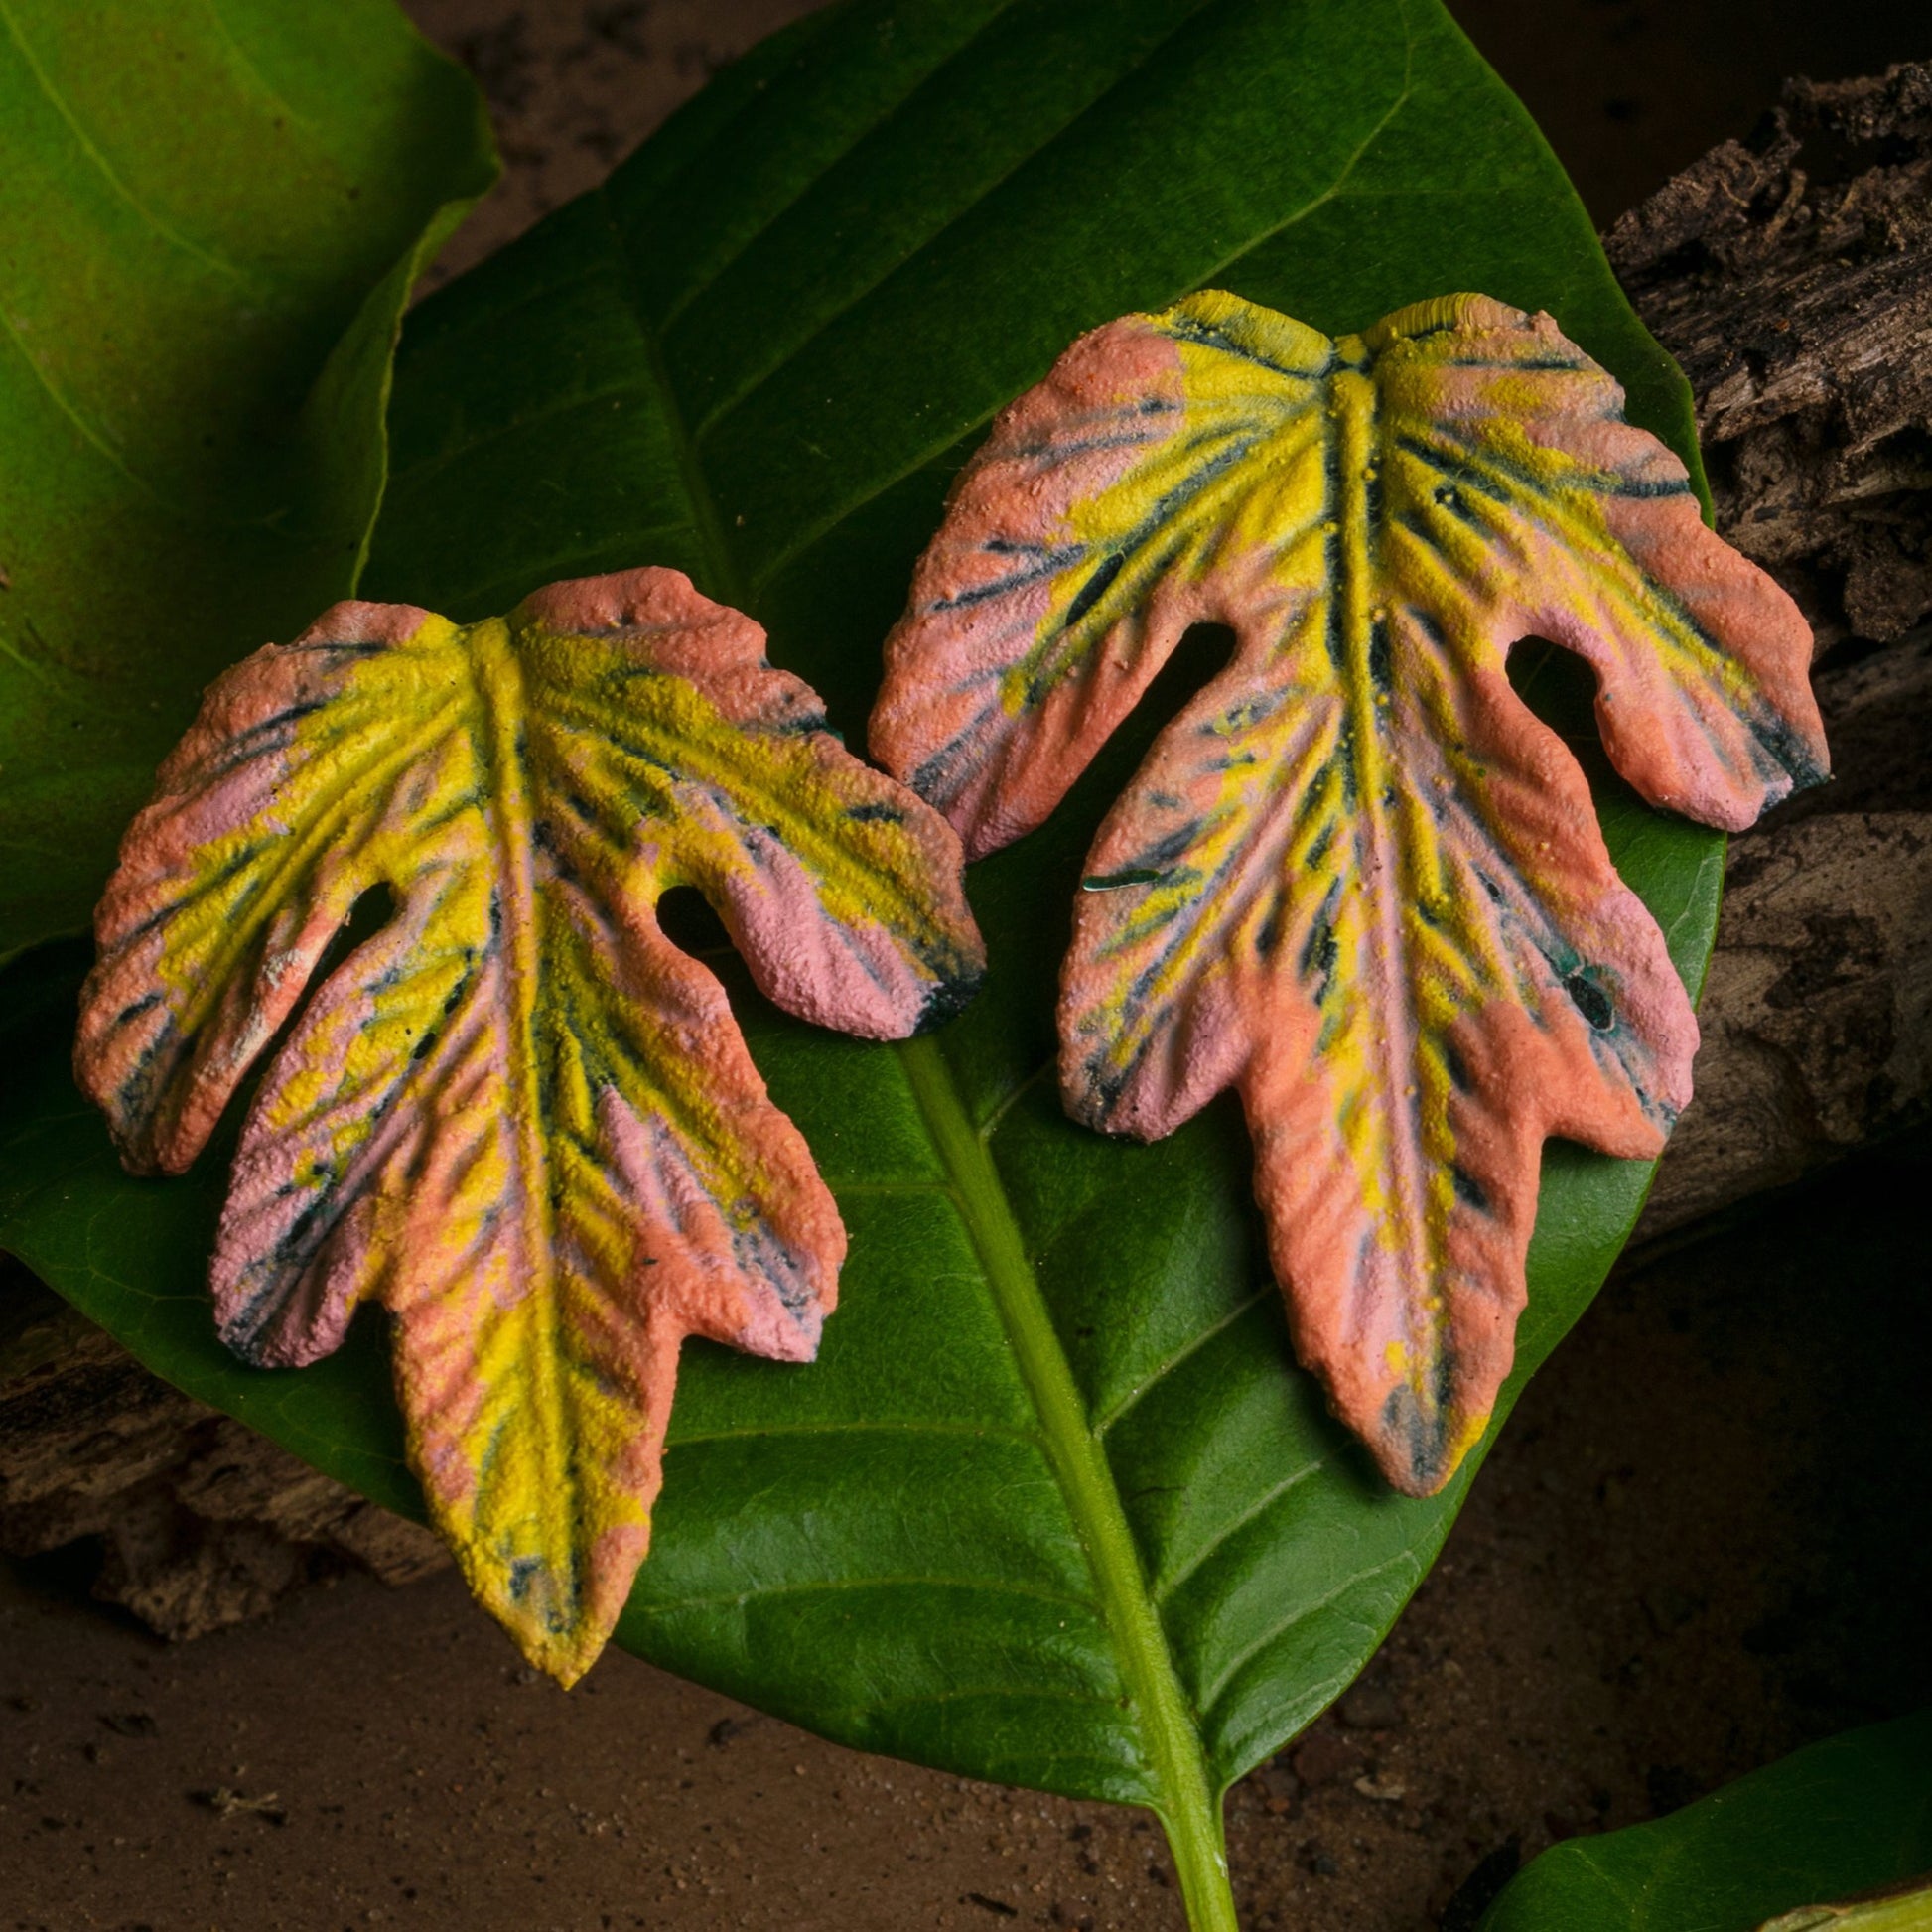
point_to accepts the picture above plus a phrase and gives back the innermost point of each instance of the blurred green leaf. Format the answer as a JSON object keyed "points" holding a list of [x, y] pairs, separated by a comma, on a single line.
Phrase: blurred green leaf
{"points": [[214, 210], [1847, 1815]]}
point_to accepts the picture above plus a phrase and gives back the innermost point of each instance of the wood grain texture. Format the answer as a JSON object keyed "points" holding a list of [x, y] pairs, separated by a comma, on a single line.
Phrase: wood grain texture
{"points": [[1793, 281]]}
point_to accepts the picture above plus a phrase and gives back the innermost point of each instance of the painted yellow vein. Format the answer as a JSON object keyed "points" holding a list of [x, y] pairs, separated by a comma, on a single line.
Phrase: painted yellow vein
{"points": [[503, 698], [356, 786], [1383, 877], [1243, 854], [756, 798]]}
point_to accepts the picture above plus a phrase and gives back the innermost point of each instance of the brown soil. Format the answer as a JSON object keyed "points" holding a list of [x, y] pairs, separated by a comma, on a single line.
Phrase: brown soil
{"points": [[1695, 1548]]}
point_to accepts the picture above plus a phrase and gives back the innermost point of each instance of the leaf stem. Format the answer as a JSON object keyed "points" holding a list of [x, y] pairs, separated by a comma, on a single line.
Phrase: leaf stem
{"points": [[1185, 1796]]}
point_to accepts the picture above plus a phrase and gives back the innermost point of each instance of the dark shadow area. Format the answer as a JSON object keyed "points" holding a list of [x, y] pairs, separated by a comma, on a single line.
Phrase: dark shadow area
{"points": [[685, 917], [1697, 1547], [1628, 92], [1558, 685], [64, 1580]]}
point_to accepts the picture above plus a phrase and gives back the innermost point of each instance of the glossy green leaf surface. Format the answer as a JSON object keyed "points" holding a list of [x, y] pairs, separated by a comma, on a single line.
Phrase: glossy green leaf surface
{"points": [[1054, 1506], [1851, 1815], [214, 213]]}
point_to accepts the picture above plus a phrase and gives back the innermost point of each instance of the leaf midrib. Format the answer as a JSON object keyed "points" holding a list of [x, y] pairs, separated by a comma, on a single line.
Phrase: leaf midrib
{"points": [[1352, 454], [1169, 1729], [503, 705], [1182, 1782]]}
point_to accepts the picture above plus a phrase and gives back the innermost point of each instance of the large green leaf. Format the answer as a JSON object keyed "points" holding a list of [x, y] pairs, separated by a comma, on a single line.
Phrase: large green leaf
{"points": [[1847, 1815], [214, 213], [1054, 1506]]}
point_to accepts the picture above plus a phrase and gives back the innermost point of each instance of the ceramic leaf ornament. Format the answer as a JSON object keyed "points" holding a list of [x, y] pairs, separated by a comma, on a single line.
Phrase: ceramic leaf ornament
{"points": [[516, 1115], [1356, 878]]}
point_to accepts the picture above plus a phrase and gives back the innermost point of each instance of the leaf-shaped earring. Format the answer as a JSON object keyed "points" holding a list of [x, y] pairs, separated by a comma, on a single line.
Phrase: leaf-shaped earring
{"points": [[1356, 878], [516, 1115]]}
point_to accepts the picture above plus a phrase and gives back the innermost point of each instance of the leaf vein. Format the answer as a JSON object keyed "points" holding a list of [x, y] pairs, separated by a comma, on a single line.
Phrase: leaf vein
{"points": [[887, 1426], [106, 169], [718, 269], [1195, 1343], [815, 531], [900, 263], [834, 1585], [1281, 1626], [1232, 1528]]}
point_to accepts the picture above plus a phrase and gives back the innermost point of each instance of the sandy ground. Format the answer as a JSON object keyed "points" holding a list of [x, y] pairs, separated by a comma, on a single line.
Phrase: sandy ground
{"points": [[1686, 1556], [1693, 1550]]}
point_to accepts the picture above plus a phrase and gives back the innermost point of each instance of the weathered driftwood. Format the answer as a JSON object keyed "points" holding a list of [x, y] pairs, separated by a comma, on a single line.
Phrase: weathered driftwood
{"points": [[1793, 280], [200, 1521]]}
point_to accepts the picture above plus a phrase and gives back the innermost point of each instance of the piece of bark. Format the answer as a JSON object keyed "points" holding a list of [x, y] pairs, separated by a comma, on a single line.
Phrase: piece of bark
{"points": [[200, 1522], [1817, 1015], [1792, 280]]}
